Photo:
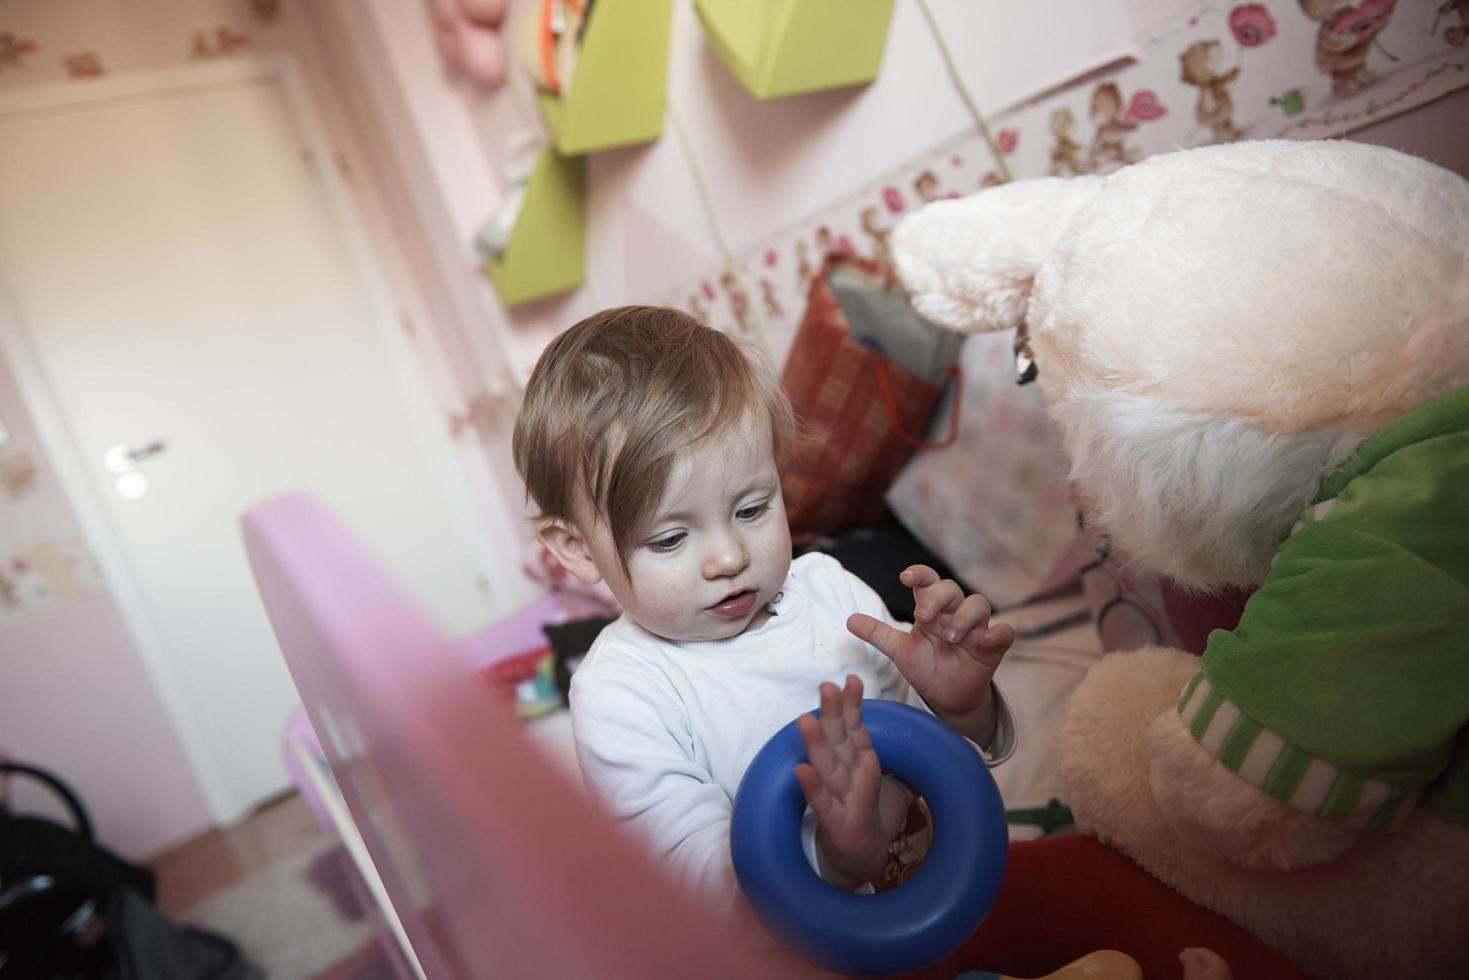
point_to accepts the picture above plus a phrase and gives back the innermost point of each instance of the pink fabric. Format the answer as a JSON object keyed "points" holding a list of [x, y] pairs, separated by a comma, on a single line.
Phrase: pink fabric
{"points": [[521, 632], [512, 871]]}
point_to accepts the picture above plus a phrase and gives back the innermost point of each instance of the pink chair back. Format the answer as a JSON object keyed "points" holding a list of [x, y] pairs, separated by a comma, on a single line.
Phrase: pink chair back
{"points": [[496, 864]]}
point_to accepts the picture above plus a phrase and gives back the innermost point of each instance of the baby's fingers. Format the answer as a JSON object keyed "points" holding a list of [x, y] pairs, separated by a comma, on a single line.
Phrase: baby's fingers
{"points": [[858, 738], [917, 576], [818, 797], [852, 703], [818, 750], [973, 613], [833, 720], [890, 642], [997, 639], [821, 755], [932, 601]]}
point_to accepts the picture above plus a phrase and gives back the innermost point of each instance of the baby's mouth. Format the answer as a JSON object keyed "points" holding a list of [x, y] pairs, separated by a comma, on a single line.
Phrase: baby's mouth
{"points": [[735, 604]]}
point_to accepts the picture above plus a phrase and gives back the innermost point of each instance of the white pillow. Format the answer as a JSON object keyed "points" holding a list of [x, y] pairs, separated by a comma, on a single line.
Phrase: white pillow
{"points": [[994, 505]]}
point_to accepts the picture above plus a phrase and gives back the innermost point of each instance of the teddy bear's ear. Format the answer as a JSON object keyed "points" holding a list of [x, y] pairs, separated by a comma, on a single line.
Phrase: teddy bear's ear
{"points": [[968, 264]]}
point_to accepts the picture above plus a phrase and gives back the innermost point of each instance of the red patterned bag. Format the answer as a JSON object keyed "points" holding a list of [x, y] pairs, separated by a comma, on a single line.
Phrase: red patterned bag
{"points": [[864, 412]]}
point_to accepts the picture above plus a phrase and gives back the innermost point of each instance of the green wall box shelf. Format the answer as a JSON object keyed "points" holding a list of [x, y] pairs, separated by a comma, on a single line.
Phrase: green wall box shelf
{"points": [[616, 95], [782, 47], [546, 253]]}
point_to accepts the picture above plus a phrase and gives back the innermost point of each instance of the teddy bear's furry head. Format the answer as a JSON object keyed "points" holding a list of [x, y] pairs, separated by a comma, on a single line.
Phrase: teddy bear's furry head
{"points": [[1217, 329]]}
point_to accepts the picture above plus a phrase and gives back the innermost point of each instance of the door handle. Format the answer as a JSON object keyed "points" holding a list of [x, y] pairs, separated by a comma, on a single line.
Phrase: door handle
{"points": [[122, 459], [139, 453]]}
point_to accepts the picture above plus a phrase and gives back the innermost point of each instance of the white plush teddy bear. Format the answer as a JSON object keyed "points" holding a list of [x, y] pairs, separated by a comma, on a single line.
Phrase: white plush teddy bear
{"points": [[1258, 356]]}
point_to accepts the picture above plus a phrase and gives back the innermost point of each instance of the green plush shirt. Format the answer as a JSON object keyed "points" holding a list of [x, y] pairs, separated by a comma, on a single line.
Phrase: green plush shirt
{"points": [[1344, 690]]}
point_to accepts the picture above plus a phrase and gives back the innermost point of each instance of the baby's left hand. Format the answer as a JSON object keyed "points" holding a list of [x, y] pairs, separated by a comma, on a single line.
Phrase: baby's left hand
{"points": [[951, 654], [858, 810]]}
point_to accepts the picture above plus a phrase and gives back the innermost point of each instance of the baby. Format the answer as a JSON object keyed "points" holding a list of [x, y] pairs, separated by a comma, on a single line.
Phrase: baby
{"points": [[652, 446]]}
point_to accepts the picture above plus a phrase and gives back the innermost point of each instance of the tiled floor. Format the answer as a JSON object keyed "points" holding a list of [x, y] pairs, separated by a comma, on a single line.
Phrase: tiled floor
{"points": [[282, 889], [220, 859]]}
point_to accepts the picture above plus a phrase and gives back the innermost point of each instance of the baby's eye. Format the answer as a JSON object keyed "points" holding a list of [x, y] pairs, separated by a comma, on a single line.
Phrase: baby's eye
{"points": [[667, 543], [753, 511]]}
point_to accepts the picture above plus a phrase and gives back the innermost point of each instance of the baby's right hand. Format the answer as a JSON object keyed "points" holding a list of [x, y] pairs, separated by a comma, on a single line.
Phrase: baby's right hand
{"points": [[858, 812]]}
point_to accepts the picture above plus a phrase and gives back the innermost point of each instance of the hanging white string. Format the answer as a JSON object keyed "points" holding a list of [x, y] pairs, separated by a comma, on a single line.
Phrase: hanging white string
{"points": [[964, 93], [706, 201]]}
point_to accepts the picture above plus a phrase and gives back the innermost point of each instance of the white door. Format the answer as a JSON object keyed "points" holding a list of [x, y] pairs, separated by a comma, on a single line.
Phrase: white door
{"points": [[184, 282]]}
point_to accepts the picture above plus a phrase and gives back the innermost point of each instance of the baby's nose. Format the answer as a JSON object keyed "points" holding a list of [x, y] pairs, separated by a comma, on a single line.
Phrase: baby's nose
{"points": [[726, 557]]}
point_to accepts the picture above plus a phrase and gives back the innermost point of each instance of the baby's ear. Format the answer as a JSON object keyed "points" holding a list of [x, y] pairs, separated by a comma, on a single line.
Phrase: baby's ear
{"points": [[571, 549], [968, 264]]}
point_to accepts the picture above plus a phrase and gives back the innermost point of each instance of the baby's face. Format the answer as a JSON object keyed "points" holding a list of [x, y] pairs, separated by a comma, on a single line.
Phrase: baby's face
{"points": [[716, 550]]}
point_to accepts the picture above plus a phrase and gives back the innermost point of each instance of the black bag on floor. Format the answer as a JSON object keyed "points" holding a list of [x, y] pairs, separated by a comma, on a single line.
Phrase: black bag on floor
{"points": [[72, 910]]}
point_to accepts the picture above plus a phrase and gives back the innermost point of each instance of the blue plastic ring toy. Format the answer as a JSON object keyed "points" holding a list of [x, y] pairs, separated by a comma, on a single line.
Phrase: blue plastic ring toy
{"points": [[922, 920]]}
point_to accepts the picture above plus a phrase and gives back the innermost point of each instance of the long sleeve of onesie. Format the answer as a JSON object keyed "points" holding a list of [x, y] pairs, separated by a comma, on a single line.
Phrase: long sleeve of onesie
{"points": [[639, 759]]}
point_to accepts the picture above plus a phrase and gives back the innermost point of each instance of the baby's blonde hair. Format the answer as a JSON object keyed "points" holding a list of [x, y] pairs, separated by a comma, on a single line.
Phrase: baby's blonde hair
{"points": [[616, 397]]}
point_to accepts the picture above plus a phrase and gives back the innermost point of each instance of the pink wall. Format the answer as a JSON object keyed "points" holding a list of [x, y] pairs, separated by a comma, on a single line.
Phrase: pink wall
{"points": [[771, 166], [1438, 131], [75, 695], [777, 165], [768, 164], [416, 130]]}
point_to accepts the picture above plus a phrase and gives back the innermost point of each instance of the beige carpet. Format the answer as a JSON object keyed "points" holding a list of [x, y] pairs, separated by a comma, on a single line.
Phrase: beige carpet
{"points": [[297, 918]]}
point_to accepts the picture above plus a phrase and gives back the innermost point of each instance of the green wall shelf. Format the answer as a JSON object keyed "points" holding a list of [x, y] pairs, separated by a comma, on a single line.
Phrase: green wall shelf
{"points": [[616, 95], [546, 253], [784, 47]]}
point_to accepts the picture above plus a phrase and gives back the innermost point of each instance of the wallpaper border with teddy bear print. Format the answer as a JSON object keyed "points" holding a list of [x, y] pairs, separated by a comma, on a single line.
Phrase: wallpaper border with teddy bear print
{"points": [[1216, 73]]}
